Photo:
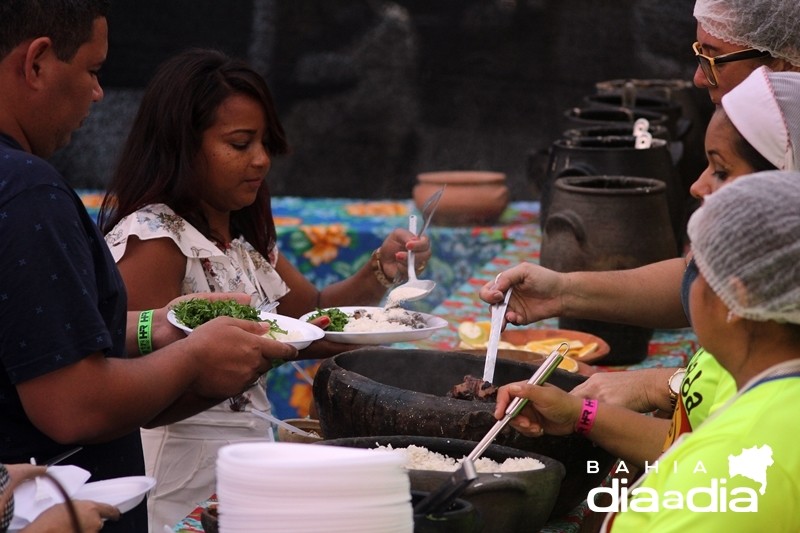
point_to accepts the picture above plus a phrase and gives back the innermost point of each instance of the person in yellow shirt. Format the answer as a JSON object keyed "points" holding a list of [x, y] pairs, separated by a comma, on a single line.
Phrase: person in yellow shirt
{"points": [[738, 470]]}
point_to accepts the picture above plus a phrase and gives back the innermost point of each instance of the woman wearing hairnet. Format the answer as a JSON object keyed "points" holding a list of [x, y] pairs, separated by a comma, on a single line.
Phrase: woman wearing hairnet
{"points": [[734, 37], [746, 304], [756, 128], [738, 471]]}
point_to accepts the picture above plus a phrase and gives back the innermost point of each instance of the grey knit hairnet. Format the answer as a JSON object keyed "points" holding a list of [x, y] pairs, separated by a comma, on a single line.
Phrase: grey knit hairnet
{"points": [[746, 242], [770, 25], [765, 109]]}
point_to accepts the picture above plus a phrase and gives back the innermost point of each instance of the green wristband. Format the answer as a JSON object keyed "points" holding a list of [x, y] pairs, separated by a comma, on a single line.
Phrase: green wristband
{"points": [[144, 332]]}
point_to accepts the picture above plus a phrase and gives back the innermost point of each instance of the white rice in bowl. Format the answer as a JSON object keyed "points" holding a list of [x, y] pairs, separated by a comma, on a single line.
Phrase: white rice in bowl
{"points": [[421, 458]]}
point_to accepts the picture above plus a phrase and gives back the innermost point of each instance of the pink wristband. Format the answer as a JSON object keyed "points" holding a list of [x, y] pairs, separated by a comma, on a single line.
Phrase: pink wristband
{"points": [[586, 419]]}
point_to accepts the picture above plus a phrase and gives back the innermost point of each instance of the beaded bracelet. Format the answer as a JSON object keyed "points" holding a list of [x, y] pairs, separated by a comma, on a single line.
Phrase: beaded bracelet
{"points": [[377, 269], [144, 334], [586, 419]]}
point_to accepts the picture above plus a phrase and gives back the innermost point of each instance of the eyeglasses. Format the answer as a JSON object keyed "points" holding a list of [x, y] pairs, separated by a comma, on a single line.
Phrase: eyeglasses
{"points": [[707, 62]]}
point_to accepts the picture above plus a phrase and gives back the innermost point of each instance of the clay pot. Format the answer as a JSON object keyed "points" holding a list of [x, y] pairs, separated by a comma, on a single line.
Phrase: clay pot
{"points": [[613, 155], [507, 502], [579, 117], [383, 391], [671, 110], [601, 223], [608, 130], [537, 162], [693, 102], [696, 110], [471, 197]]}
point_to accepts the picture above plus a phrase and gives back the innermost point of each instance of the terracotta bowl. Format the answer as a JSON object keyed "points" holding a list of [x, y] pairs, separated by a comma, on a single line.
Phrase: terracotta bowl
{"points": [[471, 197], [507, 502]]}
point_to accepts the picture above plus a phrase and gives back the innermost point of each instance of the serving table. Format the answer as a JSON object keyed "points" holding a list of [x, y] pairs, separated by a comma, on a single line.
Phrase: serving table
{"points": [[521, 240]]}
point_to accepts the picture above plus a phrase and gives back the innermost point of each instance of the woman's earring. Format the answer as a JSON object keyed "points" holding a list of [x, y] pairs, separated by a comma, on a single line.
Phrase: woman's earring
{"points": [[730, 316]]}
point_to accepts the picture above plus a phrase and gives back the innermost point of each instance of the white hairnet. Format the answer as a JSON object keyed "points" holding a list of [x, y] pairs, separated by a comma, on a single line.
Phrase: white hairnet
{"points": [[746, 243], [769, 25], [765, 109]]}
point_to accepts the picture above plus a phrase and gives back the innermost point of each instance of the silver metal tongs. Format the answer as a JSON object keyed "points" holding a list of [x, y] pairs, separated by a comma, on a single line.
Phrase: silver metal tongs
{"points": [[538, 378], [439, 500]]}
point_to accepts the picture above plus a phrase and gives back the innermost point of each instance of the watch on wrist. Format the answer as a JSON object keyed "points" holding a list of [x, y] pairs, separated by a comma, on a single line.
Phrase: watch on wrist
{"points": [[674, 386]]}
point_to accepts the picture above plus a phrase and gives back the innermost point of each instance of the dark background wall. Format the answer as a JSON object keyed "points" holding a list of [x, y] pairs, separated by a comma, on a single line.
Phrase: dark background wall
{"points": [[373, 92]]}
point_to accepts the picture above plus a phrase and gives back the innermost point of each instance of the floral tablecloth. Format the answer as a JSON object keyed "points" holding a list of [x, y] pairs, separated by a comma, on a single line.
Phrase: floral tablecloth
{"points": [[667, 348]]}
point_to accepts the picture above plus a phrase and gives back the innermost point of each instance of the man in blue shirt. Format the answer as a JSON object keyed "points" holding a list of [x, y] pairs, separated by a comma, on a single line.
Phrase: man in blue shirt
{"points": [[70, 368]]}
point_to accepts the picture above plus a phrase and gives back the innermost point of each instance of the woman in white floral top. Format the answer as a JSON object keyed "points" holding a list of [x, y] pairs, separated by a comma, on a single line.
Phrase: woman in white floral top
{"points": [[188, 210]]}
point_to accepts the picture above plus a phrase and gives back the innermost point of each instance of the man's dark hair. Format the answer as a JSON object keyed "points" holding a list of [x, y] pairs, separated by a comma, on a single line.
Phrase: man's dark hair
{"points": [[67, 22]]}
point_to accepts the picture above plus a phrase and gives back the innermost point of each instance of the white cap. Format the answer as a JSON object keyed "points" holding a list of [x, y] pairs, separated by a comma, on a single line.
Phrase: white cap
{"points": [[765, 109]]}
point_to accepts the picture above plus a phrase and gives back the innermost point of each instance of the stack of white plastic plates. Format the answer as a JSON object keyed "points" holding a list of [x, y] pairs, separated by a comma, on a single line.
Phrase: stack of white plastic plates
{"points": [[287, 487]]}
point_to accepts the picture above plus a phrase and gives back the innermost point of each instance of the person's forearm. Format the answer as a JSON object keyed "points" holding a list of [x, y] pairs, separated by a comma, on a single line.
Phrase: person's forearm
{"points": [[98, 398], [647, 296], [631, 436]]}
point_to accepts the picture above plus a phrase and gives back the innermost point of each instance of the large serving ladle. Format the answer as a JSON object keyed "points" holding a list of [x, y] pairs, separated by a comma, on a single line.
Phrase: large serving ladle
{"points": [[414, 289]]}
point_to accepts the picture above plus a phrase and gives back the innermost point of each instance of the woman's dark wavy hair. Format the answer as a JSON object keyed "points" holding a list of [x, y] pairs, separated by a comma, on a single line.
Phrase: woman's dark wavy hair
{"points": [[68, 23], [158, 163]]}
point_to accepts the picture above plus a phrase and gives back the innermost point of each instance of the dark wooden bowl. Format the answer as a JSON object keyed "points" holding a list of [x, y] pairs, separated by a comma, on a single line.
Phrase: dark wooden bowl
{"points": [[507, 502], [384, 391]]}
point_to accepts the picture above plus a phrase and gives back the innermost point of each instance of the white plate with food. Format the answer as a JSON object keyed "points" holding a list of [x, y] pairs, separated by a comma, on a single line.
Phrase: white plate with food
{"points": [[298, 333], [377, 325], [124, 493]]}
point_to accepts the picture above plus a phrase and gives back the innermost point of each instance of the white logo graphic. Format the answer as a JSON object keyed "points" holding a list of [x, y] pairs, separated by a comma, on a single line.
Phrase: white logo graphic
{"points": [[752, 463], [712, 496]]}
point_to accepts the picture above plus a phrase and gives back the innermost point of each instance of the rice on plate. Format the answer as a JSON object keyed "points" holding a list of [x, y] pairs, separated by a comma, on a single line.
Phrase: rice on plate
{"points": [[391, 319]]}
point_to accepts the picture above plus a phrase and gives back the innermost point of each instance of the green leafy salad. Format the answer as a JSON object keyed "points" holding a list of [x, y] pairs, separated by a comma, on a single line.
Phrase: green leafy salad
{"points": [[198, 311], [338, 318]]}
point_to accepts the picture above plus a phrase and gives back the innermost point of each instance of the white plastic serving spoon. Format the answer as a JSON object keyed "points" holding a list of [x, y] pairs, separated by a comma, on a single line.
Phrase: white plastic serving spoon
{"points": [[414, 288]]}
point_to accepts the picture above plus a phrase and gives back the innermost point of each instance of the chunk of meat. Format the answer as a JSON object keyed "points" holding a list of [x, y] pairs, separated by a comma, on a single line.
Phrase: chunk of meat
{"points": [[473, 388]]}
